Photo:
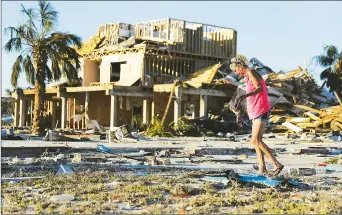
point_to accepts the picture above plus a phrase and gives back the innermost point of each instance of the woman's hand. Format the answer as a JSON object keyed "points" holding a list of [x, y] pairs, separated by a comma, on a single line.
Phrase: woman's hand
{"points": [[238, 101]]}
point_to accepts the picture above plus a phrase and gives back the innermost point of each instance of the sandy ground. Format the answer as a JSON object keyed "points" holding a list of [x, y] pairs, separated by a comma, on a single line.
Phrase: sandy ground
{"points": [[112, 188]]}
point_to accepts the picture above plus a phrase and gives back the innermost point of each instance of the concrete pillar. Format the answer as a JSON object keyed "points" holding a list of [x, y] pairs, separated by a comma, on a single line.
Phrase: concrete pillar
{"points": [[177, 105], [113, 111], [63, 112], [53, 114], [146, 111], [152, 111], [68, 113], [86, 109], [16, 113], [22, 112], [203, 105], [74, 122], [31, 112]]}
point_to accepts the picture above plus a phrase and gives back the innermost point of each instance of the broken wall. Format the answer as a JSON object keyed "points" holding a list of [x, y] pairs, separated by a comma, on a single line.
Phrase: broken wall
{"points": [[126, 104], [99, 108], [160, 101], [90, 71], [216, 104], [130, 72]]}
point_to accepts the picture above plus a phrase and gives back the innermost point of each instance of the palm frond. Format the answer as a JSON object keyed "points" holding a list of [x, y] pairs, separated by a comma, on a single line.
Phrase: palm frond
{"points": [[32, 16], [331, 51], [16, 70], [324, 60], [13, 44], [332, 82], [56, 70], [68, 39], [69, 70], [48, 73], [29, 70], [23, 32], [325, 73], [48, 16]]}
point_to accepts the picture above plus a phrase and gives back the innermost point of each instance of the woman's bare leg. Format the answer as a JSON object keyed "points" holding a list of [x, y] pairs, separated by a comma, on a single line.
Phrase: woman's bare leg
{"points": [[256, 127], [264, 148]]}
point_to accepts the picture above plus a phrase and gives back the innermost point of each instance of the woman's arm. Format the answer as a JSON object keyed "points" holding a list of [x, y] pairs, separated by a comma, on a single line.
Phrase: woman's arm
{"points": [[257, 84]]}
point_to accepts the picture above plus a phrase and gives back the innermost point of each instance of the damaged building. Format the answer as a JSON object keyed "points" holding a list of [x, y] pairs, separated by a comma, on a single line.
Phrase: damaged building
{"points": [[130, 70]]}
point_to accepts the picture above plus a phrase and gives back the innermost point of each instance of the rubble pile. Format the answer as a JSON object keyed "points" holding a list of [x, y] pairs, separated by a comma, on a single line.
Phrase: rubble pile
{"points": [[299, 104]]}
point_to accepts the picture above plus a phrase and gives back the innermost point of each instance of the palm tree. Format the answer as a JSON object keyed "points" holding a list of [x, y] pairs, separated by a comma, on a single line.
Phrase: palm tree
{"points": [[331, 60], [45, 54]]}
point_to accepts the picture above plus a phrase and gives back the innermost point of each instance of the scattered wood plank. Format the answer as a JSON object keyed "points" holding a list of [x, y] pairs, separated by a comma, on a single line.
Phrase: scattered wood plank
{"points": [[307, 125], [292, 127], [311, 115], [298, 120]]}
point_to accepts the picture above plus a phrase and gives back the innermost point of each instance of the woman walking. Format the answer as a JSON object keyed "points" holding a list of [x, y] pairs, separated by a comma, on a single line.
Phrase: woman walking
{"points": [[258, 109]]}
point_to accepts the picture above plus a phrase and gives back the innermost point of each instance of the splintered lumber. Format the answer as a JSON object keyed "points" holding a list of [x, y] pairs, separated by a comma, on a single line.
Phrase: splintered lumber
{"points": [[338, 119], [311, 115], [292, 127], [298, 120], [276, 118], [333, 109], [327, 119], [335, 125], [307, 125], [310, 109], [338, 98]]}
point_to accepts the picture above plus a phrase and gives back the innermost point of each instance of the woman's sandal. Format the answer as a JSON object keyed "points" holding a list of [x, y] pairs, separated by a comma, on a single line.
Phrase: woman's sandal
{"points": [[256, 167], [277, 171]]}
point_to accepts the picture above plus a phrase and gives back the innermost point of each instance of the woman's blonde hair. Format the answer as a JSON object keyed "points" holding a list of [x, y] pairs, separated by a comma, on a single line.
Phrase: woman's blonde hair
{"points": [[238, 60]]}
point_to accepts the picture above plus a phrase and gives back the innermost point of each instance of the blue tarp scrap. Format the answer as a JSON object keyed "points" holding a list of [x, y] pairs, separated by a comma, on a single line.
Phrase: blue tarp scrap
{"points": [[249, 178], [261, 180], [300, 185], [257, 179], [103, 148]]}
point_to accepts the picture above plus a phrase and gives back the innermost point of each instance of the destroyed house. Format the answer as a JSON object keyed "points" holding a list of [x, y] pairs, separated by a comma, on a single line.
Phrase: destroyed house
{"points": [[130, 70]]}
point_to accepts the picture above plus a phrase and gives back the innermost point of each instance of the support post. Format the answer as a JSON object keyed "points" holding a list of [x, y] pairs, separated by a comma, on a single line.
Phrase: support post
{"points": [[177, 105], [203, 105], [16, 113], [63, 112], [86, 107], [22, 104], [31, 112], [146, 111], [68, 113], [152, 111], [74, 122], [53, 114], [113, 111]]}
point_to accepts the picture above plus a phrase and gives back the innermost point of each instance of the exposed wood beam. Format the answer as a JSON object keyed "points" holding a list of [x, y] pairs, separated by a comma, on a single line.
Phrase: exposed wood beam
{"points": [[164, 88], [88, 88], [130, 91]]}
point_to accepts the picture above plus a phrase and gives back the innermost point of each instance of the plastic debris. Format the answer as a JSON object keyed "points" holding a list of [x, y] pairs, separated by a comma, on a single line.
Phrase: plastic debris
{"points": [[103, 148], [63, 169], [62, 198]]}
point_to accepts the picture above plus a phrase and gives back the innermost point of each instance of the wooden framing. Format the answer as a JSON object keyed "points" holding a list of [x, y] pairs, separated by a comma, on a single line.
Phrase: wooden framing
{"points": [[190, 37], [166, 88]]}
